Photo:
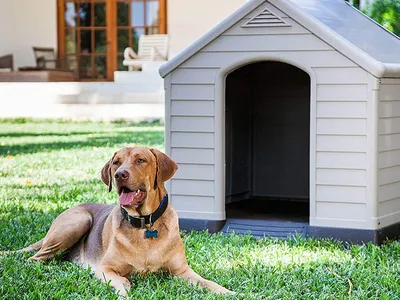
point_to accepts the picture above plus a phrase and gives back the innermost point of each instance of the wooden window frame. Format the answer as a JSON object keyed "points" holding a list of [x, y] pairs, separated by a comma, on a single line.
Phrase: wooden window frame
{"points": [[111, 31]]}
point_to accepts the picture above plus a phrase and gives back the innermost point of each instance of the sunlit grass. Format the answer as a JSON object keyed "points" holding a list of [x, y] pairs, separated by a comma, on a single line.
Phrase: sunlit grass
{"points": [[47, 167]]}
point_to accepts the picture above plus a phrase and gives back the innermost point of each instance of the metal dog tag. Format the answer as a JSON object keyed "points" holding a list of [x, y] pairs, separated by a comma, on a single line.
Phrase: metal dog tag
{"points": [[151, 234]]}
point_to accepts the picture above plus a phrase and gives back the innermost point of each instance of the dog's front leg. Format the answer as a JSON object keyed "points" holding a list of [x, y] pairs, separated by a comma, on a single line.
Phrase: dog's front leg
{"points": [[178, 266], [195, 278], [120, 283]]}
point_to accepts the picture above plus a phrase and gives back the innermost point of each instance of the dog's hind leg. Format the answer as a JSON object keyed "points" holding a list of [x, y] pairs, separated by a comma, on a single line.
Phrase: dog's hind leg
{"points": [[67, 229], [32, 247]]}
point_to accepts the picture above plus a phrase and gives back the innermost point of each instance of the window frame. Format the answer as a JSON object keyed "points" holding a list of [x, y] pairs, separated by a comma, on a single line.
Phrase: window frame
{"points": [[111, 32]]}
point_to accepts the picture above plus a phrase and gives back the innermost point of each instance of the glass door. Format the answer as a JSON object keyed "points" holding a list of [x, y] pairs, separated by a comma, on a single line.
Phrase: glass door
{"points": [[134, 18], [85, 27], [93, 34]]}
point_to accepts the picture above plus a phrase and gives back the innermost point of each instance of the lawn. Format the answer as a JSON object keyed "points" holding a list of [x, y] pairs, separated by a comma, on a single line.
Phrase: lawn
{"points": [[46, 167]]}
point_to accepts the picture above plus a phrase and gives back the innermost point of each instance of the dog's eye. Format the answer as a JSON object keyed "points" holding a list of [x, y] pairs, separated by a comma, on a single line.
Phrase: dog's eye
{"points": [[116, 162], [140, 161]]}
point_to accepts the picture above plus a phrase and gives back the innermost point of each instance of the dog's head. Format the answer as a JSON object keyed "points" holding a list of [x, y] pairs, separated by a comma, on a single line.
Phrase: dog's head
{"points": [[137, 171]]}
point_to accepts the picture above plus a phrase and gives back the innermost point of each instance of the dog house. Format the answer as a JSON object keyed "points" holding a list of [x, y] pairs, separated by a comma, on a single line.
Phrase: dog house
{"points": [[285, 118]]}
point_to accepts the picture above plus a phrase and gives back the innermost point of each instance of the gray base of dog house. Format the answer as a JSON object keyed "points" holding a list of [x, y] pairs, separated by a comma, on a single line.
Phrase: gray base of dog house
{"points": [[280, 229]]}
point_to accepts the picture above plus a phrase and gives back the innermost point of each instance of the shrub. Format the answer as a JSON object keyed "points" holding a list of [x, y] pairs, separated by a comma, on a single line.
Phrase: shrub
{"points": [[386, 13]]}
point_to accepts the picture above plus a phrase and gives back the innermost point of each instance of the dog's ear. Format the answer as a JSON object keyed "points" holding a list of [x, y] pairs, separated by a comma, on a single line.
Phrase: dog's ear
{"points": [[166, 167], [106, 173]]}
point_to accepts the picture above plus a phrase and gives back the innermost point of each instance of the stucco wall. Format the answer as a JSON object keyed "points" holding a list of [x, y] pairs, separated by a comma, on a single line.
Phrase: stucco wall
{"points": [[24, 24], [187, 20]]}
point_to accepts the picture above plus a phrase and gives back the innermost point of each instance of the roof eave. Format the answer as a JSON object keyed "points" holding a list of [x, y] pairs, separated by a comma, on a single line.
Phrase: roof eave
{"points": [[376, 68], [332, 38], [210, 36], [391, 70]]}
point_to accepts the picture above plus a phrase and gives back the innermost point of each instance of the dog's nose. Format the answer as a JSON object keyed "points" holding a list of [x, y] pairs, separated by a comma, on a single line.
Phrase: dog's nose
{"points": [[121, 175]]}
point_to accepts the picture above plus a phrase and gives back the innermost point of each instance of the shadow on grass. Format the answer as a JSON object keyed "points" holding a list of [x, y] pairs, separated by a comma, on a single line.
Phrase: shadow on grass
{"points": [[70, 131], [101, 140], [55, 196], [37, 134]]}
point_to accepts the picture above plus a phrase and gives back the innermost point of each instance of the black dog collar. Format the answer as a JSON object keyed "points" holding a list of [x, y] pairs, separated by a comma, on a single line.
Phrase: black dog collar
{"points": [[142, 221]]}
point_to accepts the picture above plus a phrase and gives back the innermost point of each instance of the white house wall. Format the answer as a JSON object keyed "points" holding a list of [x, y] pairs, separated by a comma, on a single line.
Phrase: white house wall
{"points": [[339, 143], [24, 24], [187, 20], [389, 152]]}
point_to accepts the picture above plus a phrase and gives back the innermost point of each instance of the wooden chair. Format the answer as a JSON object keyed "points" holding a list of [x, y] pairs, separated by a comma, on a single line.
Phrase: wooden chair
{"points": [[46, 59], [151, 48], [6, 63]]}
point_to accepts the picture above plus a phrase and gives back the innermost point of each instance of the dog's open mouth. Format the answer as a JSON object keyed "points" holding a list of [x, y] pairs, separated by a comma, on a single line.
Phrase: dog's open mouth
{"points": [[128, 197]]}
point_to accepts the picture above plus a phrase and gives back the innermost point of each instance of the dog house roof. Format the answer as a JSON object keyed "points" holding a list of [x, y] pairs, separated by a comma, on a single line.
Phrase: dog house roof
{"points": [[335, 21]]}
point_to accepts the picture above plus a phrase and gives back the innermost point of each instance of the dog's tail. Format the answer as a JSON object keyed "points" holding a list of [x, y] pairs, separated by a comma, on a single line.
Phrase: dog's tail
{"points": [[33, 247]]}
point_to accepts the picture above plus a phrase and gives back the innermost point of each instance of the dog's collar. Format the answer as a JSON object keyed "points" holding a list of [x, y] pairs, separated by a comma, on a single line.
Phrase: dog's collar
{"points": [[142, 221]]}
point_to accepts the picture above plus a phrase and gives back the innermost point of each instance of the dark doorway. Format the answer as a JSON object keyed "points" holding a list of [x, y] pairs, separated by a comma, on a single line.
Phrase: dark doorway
{"points": [[267, 142]]}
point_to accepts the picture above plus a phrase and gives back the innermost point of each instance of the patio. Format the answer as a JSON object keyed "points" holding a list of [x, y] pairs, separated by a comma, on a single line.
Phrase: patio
{"points": [[49, 91], [53, 89]]}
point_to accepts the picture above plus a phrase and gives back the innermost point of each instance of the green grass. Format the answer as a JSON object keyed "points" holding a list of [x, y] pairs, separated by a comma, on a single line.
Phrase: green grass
{"points": [[46, 167]]}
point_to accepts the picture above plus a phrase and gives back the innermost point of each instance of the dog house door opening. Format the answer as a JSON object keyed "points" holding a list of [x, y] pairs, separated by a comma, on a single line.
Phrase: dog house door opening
{"points": [[267, 140]]}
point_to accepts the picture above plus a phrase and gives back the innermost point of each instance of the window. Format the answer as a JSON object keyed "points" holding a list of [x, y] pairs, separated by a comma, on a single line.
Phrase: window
{"points": [[135, 18], [93, 34]]}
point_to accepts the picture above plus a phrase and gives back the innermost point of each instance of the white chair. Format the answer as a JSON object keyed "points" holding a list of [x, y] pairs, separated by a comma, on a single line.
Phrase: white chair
{"points": [[152, 52]]}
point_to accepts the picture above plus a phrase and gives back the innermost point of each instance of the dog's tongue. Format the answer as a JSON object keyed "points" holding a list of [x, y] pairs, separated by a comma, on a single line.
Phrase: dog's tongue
{"points": [[127, 198]]}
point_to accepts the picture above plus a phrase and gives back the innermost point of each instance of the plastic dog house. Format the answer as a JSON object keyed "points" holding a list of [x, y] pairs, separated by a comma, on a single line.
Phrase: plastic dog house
{"points": [[294, 101]]}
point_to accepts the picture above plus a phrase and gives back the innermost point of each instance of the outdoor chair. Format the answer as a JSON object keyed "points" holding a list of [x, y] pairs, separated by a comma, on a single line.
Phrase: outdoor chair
{"points": [[152, 48], [6, 63], [46, 59]]}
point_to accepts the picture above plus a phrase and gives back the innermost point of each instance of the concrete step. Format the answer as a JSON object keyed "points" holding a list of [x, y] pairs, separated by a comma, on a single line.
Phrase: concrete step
{"points": [[138, 87], [95, 112], [138, 78], [114, 98], [81, 100], [81, 92]]}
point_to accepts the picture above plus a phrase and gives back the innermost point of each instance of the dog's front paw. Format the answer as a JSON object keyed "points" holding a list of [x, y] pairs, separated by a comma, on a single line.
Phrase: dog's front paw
{"points": [[122, 294], [222, 290], [123, 286], [122, 297]]}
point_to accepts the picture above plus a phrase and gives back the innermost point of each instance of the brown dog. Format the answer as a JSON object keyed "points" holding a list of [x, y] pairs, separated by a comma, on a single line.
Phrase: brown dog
{"points": [[139, 235]]}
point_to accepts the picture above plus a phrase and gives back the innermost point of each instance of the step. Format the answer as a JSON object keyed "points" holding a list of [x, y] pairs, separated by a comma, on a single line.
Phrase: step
{"points": [[264, 228], [80, 92], [132, 77]]}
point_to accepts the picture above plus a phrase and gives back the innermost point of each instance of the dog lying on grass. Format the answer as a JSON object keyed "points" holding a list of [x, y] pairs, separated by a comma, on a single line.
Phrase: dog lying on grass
{"points": [[141, 234]]}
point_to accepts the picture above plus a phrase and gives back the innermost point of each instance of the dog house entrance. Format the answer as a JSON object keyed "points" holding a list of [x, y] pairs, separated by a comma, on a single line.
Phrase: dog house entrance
{"points": [[267, 138]]}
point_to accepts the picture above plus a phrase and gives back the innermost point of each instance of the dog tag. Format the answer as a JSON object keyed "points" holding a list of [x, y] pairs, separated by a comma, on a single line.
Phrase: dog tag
{"points": [[151, 234]]}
